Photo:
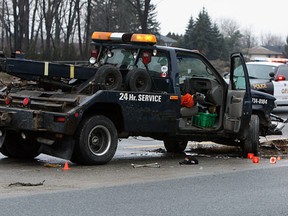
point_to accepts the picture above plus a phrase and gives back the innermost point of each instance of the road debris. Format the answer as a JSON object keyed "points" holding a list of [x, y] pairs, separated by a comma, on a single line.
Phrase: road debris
{"points": [[274, 148], [159, 150], [189, 160], [151, 165], [270, 145], [17, 184], [52, 165]]}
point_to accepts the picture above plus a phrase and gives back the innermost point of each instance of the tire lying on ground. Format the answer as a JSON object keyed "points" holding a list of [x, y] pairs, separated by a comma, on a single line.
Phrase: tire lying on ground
{"points": [[138, 80], [175, 146], [108, 77]]}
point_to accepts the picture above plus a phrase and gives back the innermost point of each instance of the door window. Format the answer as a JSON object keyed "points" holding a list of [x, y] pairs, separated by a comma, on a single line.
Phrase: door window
{"points": [[239, 81]]}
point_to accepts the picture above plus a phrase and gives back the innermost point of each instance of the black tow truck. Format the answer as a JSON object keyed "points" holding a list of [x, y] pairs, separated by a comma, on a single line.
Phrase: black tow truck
{"points": [[131, 87]]}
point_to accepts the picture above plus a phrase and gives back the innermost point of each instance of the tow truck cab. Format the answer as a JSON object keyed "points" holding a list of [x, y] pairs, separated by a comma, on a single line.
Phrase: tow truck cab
{"points": [[222, 115]]}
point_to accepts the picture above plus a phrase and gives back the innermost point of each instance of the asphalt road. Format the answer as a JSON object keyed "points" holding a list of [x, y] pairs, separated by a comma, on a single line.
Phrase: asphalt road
{"points": [[249, 192], [217, 186], [222, 183]]}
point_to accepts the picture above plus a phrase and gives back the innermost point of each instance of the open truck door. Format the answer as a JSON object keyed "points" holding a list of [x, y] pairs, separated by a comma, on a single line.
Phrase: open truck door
{"points": [[239, 102]]}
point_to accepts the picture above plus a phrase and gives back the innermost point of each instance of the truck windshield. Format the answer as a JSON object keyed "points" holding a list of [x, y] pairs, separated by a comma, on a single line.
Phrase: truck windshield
{"points": [[189, 66]]}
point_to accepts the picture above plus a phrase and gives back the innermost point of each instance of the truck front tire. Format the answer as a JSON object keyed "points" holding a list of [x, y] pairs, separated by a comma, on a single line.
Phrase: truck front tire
{"points": [[251, 143], [97, 141]]}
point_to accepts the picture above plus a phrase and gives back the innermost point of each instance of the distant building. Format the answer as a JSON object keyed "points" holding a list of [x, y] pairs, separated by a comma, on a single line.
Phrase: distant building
{"points": [[166, 41], [263, 52]]}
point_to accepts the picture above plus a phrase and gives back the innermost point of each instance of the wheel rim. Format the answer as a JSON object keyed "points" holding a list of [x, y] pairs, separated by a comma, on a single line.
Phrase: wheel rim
{"points": [[99, 140], [140, 83], [110, 80]]}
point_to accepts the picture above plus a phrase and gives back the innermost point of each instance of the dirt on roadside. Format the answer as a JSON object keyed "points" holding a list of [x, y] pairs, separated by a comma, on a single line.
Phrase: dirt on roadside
{"points": [[269, 148], [274, 148]]}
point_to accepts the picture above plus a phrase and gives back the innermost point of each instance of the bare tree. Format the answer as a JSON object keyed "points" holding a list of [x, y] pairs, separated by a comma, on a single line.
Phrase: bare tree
{"points": [[2, 25], [49, 9], [69, 23], [7, 23], [33, 34], [230, 30], [249, 40], [79, 29], [21, 24], [87, 25], [228, 27], [51, 29], [142, 8], [269, 39]]}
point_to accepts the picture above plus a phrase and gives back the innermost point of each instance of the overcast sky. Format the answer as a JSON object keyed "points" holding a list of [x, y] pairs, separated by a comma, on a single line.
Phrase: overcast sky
{"points": [[259, 15]]}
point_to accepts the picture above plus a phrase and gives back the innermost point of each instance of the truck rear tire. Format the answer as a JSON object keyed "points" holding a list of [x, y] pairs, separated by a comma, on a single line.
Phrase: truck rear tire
{"points": [[96, 141], [16, 147], [108, 77], [251, 143], [138, 80], [3, 150], [175, 146]]}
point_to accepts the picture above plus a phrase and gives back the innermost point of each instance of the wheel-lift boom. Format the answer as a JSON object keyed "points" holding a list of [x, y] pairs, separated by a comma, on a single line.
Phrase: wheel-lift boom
{"points": [[32, 70]]}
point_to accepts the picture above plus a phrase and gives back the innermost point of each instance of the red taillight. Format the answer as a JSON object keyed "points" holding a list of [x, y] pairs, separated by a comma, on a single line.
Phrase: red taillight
{"points": [[76, 115], [26, 102], [281, 78], [94, 53], [8, 100], [146, 58], [60, 119], [93, 58]]}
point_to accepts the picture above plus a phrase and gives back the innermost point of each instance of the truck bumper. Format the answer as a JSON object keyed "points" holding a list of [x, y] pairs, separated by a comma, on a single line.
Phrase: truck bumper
{"points": [[37, 120]]}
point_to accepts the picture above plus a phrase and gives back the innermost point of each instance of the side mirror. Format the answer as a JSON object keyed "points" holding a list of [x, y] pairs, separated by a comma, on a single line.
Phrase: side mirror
{"points": [[272, 74]]}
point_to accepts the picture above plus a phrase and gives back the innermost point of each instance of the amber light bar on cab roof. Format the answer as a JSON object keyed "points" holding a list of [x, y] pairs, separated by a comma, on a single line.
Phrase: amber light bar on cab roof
{"points": [[124, 37]]}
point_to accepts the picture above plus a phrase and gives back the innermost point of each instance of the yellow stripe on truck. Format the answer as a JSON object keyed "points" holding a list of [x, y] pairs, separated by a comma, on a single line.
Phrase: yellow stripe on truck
{"points": [[46, 68], [71, 71]]}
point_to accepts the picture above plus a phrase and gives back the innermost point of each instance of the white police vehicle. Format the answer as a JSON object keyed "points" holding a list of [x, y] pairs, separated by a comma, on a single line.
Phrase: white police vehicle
{"points": [[270, 77]]}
